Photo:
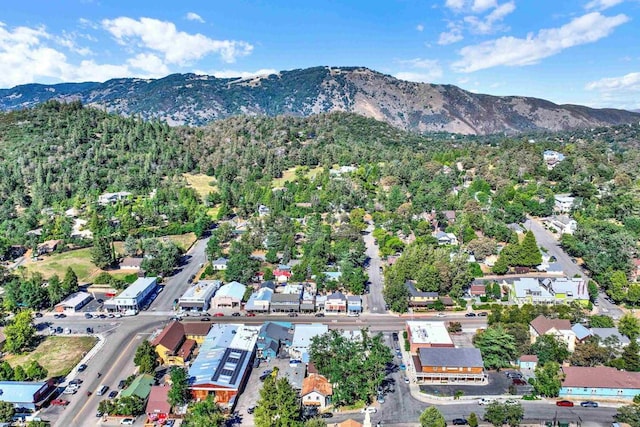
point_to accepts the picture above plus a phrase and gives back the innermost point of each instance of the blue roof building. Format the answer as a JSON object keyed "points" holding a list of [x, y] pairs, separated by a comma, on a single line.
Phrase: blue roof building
{"points": [[26, 394], [259, 300]]}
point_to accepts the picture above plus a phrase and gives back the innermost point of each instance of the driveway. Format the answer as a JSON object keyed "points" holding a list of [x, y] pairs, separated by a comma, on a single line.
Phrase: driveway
{"points": [[375, 299]]}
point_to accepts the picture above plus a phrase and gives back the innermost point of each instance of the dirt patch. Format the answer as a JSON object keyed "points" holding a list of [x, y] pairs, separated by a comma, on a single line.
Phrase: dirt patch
{"points": [[57, 354], [57, 263], [201, 183]]}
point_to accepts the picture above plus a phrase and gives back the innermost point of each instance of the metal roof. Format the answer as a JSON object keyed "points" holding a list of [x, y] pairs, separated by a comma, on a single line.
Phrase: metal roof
{"points": [[451, 357]]}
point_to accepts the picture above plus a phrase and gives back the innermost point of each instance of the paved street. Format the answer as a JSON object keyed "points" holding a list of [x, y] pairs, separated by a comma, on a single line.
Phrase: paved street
{"points": [[375, 298]]}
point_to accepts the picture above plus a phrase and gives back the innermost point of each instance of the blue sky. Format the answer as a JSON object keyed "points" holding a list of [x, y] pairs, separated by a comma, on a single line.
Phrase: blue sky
{"points": [[568, 51]]}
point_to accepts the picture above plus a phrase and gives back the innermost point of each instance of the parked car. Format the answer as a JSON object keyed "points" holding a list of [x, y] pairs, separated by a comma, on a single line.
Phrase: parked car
{"points": [[89, 330], [369, 409], [460, 422], [394, 336], [319, 314], [69, 390], [440, 314], [567, 403], [406, 380], [403, 367], [59, 402], [519, 381], [482, 314], [485, 401], [88, 316], [121, 384], [513, 375], [236, 314], [293, 314], [113, 394], [205, 319], [59, 316], [326, 415], [82, 368], [38, 315], [75, 382], [251, 314], [218, 315], [510, 402], [381, 399], [102, 390], [470, 315], [127, 421], [589, 404], [251, 409]]}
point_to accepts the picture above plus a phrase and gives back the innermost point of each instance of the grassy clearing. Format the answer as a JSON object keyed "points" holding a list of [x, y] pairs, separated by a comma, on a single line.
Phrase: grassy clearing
{"points": [[57, 354], [201, 183], [290, 174], [79, 260]]}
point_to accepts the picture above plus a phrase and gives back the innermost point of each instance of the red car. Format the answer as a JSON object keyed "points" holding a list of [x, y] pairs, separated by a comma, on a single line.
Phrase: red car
{"points": [[518, 381], [251, 314], [218, 315], [59, 402], [564, 403]]}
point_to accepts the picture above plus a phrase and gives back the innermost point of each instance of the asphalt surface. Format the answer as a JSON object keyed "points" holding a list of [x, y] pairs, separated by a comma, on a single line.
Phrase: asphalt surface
{"points": [[375, 299]]}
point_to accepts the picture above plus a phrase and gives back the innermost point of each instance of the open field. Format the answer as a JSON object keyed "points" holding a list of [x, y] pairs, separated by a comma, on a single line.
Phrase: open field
{"points": [[57, 354], [57, 263], [183, 241], [200, 183], [290, 174]]}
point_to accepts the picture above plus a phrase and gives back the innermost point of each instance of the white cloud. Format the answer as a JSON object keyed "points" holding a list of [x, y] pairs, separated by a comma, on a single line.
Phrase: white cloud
{"points": [[455, 4], [426, 70], [449, 37], [420, 27], [178, 47], [628, 82], [512, 51], [480, 6], [192, 16], [230, 74], [68, 40], [487, 25], [602, 4], [149, 63]]}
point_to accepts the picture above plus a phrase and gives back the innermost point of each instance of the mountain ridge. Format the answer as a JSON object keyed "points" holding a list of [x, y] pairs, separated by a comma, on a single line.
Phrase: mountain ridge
{"points": [[194, 100]]}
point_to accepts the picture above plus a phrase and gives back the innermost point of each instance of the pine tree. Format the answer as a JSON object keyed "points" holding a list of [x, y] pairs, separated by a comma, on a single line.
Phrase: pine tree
{"points": [[631, 356], [529, 253], [102, 253], [70, 282]]}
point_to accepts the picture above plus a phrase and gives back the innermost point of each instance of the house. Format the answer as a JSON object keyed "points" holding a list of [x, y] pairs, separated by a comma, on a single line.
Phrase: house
{"points": [[295, 373], [606, 335], [423, 334], [263, 210], [198, 296], [272, 337], [109, 198], [450, 216], [582, 332], [196, 331], [336, 303], [268, 284], [562, 224], [418, 298], [220, 264], [563, 203], [316, 391], [530, 290], [285, 303], [449, 366], [332, 276], [223, 363], [26, 394], [229, 295], [478, 290], [173, 346], [49, 246], [446, 238], [599, 382], [158, 407], [73, 302], [552, 158], [141, 387], [282, 276], [559, 328], [354, 304], [134, 297], [259, 301], [302, 336], [131, 263], [528, 361]]}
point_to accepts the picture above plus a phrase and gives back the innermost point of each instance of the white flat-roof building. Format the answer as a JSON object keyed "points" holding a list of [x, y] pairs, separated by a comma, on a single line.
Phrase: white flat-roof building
{"points": [[198, 296], [302, 336], [134, 296], [73, 302], [424, 334]]}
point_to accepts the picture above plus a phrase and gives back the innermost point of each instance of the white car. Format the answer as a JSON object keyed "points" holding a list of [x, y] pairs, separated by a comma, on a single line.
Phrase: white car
{"points": [[70, 390], [485, 401], [441, 314], [369, 409]]}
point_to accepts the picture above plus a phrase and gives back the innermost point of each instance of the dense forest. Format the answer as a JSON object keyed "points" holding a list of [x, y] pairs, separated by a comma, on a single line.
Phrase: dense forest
{"points": [[58, 156]]}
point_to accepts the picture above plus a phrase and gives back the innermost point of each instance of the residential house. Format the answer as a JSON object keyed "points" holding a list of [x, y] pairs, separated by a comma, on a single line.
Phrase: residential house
{"points": [[268, 284], [259, 301], [302, 336], [109, 198], [559, 328], [223, 363], [450, 216], [131, 263], [354, 304], [336, 303], [581, 332], [530, 290], [563, 203], [134, 297], [562, 224], [316, 391], [198, 296], [49, 246], [219, 264], [607, 335], [229, 295], [196, 331], [141, 387], [528, 361], [450, 366], [424, 334], [446, 238], [332, 276], [73, 302], [478, 290], [30, 395], [552, 158], [418, 298], [281, 274], [272, 338], [599, 382], [158, 407], [285, 303], [173, 346]]}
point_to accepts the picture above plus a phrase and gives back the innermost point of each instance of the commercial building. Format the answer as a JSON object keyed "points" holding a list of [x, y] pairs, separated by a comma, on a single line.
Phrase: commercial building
{"points": [[273, 337], [259, 301], [134, 297], [302, 336], [229, 295], [26, 394], [285, 303], [73, 302], [423, 334], [450, 366], [198, 296], [158, 406], [223, 363], [530, 290], [599, 382], [172, 345]]}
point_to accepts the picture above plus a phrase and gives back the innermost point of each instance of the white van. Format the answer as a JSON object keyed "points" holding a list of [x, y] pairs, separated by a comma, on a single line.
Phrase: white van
{"points": [[369, 409], [485, 401]]}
